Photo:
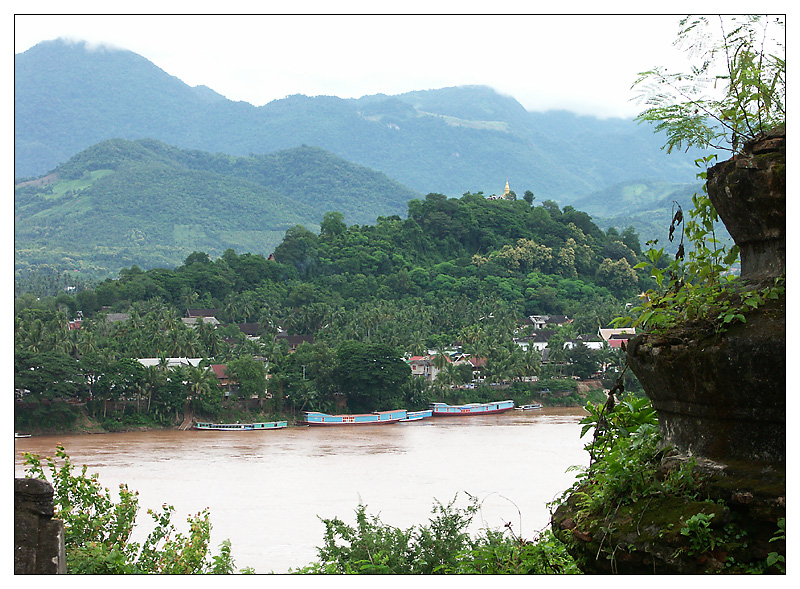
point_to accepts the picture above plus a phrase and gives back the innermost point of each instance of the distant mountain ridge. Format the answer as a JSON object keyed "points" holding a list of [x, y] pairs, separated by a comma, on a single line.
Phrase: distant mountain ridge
{"points": [[450, 140]]}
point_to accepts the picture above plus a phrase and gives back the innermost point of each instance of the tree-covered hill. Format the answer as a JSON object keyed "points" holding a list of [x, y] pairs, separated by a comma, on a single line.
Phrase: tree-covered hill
{"points": [[69, 97], [147, 203], [534, 259]]}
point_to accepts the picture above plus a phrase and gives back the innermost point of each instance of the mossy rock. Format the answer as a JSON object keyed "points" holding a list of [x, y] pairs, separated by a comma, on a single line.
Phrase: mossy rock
{"points": [[653, 535]]}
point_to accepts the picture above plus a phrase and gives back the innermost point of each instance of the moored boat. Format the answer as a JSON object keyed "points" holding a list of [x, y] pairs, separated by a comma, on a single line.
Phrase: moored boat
{"points": [[240, 426], [445, 410], [529, 407], [418, 415], [16, 435], [376, 418]]}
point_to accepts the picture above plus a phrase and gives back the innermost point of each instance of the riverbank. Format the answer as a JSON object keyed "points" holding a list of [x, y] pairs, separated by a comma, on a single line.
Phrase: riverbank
{"points": [[74, 419]]}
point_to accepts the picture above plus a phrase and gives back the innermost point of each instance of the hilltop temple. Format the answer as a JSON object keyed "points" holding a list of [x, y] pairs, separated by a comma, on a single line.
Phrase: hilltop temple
{"points": [[506, 194]]}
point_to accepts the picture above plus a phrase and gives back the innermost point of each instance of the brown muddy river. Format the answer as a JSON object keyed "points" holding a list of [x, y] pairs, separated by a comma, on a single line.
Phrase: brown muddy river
{"points": [[266, 489]]}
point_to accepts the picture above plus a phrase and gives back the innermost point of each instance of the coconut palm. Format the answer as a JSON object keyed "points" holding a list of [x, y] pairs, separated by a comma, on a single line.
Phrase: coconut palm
{"points": [[532, 362], [558, 352], [209, 338], [34, 335], [417, 343], [87, 340], [199, 381], [608, 356], [154, 378]]}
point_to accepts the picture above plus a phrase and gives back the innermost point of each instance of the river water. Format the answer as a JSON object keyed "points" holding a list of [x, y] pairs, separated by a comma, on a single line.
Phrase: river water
{"points": [[266, 490]]}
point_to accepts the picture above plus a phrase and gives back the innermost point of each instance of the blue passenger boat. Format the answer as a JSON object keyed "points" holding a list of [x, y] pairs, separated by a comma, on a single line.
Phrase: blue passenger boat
{"points": [[376, 418], [445, 410], [418, 415], [240, 426]]}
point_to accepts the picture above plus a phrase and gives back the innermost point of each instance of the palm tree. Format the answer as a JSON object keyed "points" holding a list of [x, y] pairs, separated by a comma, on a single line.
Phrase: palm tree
{"points": [[607, 356], [247, 305], [69, 343], [190, 298], [558, 353], [209, 338], [35, 335], [532, 362], [516, 362], [454, 375], [417, 343], [199, 381], [154, 378], [87, 342], [191, 343], [441, 359]]}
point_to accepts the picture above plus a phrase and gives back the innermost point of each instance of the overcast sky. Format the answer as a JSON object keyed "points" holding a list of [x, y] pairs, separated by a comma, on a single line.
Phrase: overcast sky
{"points": [[582, 63]]}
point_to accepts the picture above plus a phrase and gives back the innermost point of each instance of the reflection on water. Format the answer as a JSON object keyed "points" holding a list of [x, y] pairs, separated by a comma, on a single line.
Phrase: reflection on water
{"points": [[266, 490]]}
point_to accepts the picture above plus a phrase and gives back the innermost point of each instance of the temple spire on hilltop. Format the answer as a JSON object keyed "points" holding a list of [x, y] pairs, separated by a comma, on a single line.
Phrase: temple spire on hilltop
{"points": [[506, 194]]}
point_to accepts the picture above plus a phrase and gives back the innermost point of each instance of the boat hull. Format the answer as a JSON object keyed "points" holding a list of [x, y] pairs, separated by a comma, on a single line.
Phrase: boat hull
{"points": [[240, 427], [471, 409], [378, 418]]}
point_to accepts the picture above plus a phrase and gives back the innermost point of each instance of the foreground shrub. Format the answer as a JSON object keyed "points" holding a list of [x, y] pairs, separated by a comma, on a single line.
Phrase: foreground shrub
{"points": [[443, 546], [97, 530]]}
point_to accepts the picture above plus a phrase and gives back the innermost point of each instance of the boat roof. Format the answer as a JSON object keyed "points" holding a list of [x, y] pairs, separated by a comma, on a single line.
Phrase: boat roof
{"points": [[351, 414], [472, 404]]}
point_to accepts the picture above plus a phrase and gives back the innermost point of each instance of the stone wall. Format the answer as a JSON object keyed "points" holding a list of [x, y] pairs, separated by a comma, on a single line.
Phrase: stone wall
{"points": [[38, 538]]}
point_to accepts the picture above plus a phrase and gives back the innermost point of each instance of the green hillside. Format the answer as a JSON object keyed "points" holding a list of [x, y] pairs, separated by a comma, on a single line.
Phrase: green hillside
{"points": [[147, 203]]}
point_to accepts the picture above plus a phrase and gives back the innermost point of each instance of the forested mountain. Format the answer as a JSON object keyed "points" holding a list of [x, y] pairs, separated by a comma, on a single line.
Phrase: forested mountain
{"points": [[451, 140], [147, 203]]}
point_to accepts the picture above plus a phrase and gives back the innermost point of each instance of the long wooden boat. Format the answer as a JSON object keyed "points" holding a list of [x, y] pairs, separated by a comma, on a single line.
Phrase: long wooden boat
{"points": [[240, 426], [376, 418], [445, 410], [418, 415]]}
